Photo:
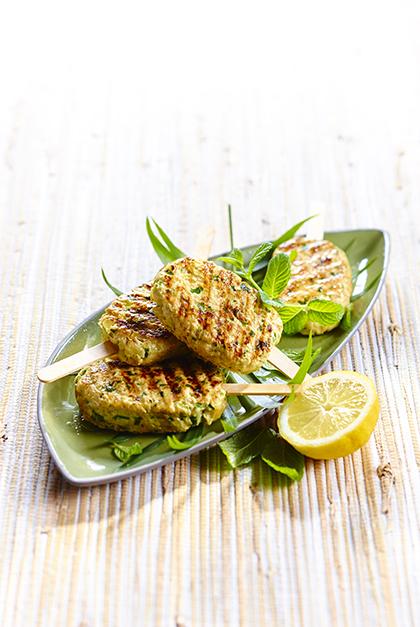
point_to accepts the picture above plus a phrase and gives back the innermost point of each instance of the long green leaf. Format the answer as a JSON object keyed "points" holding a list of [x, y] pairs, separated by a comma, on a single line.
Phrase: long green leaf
{"points": [[166, 253], [116, 291], [177, 252], [290, 232], [307, 360]]}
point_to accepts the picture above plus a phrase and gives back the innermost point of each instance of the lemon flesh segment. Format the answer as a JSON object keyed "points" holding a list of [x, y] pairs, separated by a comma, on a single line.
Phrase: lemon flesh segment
{"points": [[333, 416]]}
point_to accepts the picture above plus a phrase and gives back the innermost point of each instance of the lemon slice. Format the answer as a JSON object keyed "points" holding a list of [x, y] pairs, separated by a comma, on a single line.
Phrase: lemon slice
{"points": [[332, 416]]}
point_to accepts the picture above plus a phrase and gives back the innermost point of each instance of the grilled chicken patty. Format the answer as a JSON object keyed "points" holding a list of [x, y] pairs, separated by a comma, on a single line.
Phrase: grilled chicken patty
{"points": [[130, 323], [217, 315], [320, 270], [171, 397]]}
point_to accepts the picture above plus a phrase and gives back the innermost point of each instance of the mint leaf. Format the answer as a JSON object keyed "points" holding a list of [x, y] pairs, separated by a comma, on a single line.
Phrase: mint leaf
{"points": [[262, 251], [245, 445], [276, 303], [166, 250], [290, 232], [284, 458], [124, 452], [325, 312], [116, 291], [294, 321], [235, 258], [191, 437], [277, 275]]}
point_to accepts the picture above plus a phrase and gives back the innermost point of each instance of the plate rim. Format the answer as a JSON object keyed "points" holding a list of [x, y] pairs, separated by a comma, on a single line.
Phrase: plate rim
{"points": [[124, 474]]}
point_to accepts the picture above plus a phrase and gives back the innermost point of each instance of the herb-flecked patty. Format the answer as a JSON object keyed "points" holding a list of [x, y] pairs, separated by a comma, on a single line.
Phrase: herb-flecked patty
{"points": [[320, 270], [171, 397], [129, 322], [215, 314]]}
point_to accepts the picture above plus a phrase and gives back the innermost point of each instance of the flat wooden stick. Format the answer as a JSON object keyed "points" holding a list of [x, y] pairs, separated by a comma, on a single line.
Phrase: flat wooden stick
{"points": [[283, 363], [204, 244], [260, 389], [62, 368]]}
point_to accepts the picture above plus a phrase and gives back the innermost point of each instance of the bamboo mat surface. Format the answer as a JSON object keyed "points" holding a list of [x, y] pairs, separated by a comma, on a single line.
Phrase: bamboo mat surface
{"points": [[195, 543]]}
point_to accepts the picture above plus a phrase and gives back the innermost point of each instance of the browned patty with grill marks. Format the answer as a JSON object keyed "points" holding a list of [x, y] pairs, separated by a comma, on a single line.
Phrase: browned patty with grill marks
{"points": [[320, 270], [215, 314], [129, 322], [171, 397]]}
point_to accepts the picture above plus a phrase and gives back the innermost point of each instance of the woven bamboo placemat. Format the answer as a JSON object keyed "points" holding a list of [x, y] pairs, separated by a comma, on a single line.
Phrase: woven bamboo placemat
{"points": [[195, 543]]}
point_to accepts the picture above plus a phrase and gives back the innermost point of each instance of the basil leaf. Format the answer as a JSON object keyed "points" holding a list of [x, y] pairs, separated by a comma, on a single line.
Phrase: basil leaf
{"points": [[307, 360], [245, 445], [191, 437], [291, 232], [296, 324], [262, 251], [166, 253], [284, 458], [325, 312], [125, 452], [116, 291], [277, 275]]}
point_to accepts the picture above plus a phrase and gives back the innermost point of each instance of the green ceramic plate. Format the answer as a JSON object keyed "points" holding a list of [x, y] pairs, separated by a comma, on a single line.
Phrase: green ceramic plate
{"points": [[82, 452]]}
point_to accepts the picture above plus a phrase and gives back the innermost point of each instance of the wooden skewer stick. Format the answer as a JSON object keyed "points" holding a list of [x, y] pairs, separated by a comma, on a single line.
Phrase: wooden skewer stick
{"points": [[260, 389], [69, 365], [64, 367]]}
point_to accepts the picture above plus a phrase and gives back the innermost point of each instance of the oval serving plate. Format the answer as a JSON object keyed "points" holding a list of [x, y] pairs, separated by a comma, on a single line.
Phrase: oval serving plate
{"points": [[83, 453]]}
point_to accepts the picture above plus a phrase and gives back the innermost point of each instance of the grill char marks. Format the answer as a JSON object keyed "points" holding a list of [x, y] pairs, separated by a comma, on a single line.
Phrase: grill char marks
{"points": [[169, 398], [130, 323], [217, 315], [320, 271]]}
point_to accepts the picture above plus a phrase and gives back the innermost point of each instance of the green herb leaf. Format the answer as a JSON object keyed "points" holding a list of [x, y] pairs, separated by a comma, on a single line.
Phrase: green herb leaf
{"points": [[235, 258], [307, 360], [277, 275], [125, 452], [291, 232], [232, 245], [297, 355], [345, 323], [284, 458], [230, 423], [245, 445], [294, 318], [191, 437], [166, 253], [325, 312], [272, 302], [262, 251], [116, 291], [196, 290]]}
